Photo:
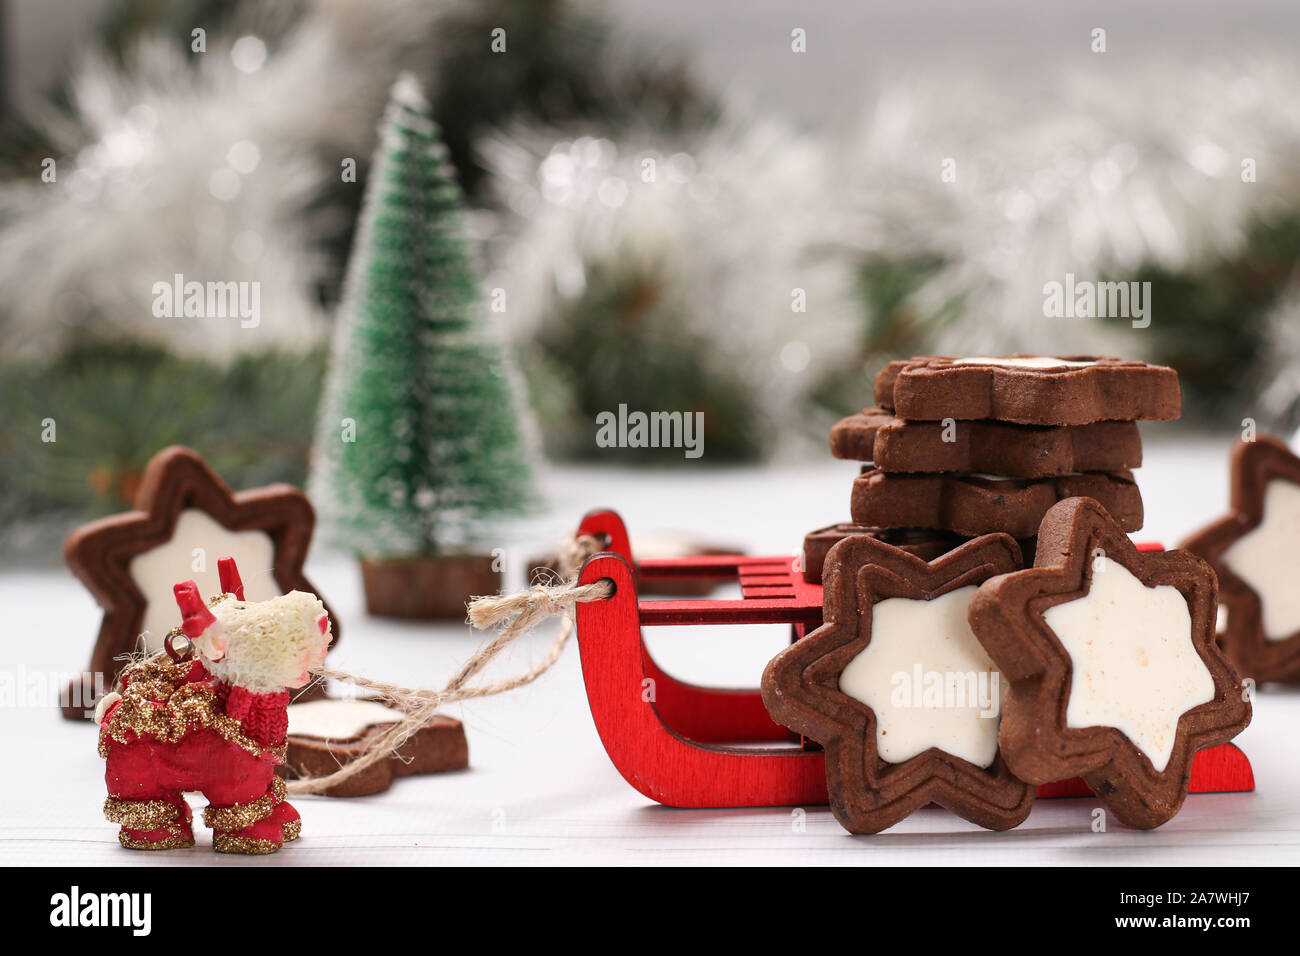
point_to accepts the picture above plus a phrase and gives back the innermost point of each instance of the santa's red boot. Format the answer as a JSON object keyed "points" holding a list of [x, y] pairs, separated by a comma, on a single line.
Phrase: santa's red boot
{"points": [[160, 824]]}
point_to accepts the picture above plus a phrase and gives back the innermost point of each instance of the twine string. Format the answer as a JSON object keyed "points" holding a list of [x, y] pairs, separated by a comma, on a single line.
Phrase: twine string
{"points": [[511, 616]]}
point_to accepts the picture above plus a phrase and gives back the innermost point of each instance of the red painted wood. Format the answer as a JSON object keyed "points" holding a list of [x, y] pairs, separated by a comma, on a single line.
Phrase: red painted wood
{"points": [[657, 761], [1222, 769], [751, 611], [702, 714], [608, 523], [712, 714], [668, 737], [721, 566]]}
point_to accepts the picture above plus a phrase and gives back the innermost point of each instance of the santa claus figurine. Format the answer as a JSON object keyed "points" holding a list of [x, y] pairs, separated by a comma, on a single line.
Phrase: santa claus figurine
{"points": [[211, 717]]}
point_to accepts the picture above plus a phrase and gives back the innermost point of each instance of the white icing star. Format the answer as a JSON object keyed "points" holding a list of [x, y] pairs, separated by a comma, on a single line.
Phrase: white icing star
{"points": [[1266, 559], [1134, 665], [157, 570], [928, 680], [338, 719], [1023, 361]]}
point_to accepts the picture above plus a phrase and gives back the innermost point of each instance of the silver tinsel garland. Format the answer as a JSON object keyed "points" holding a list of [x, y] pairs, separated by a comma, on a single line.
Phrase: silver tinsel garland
{"points": [[207, 168], [1110, 171], [732, 224], [203, 164]]}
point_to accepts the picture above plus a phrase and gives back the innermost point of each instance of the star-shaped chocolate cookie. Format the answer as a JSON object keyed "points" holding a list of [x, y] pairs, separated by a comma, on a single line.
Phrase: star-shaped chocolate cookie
{"points": [[1255, 551], [1113, 670], [1028, 389], [185, 518], [898, 691]]}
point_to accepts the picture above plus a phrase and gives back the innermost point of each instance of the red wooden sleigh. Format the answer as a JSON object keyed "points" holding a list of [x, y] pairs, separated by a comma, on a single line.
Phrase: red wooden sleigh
{"points": [[689, 746]]}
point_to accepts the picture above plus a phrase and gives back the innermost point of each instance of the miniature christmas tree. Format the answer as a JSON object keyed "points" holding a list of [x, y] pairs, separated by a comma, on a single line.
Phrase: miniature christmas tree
{"points": [[419, 443]]}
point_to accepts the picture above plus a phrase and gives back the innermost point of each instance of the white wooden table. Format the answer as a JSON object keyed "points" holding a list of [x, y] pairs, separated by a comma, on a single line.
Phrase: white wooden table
{"points": [[540, 788]]}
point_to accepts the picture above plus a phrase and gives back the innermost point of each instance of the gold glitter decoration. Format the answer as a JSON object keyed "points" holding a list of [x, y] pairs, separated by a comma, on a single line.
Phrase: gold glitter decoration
{"points": [[175, 842], [225, 843], [237, 816], [141, 814], [158, 702], [292, 830]]}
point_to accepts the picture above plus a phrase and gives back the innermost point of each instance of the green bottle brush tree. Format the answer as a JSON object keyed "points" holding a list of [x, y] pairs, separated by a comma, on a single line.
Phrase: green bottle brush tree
{"points": [[420, 446]]}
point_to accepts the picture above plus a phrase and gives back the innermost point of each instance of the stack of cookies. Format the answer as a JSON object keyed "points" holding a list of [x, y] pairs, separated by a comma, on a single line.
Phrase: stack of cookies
{"points": [[961, 447]]}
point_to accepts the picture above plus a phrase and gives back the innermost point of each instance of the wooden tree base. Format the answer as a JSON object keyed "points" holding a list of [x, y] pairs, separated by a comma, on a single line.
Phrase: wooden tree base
{"points": [[428, 587]]}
